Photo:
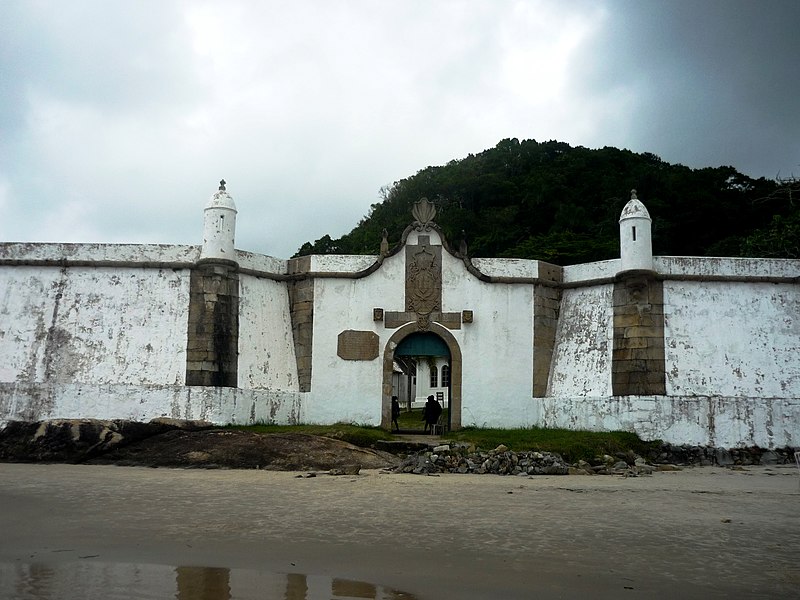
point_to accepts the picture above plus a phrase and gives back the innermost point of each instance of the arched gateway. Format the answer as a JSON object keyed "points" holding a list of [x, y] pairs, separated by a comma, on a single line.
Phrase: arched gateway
{"points": [[435, 333]]}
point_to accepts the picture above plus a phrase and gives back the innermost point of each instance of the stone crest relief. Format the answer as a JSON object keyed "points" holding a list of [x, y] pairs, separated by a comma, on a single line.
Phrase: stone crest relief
{"points": [[423, 280]]}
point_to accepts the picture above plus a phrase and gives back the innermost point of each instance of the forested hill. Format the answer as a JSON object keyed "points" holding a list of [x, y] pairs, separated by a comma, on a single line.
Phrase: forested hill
{"points": [[552, 202]]}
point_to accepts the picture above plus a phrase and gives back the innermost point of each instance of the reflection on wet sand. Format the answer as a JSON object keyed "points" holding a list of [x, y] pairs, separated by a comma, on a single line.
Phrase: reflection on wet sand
{"points": [[109, 581]]}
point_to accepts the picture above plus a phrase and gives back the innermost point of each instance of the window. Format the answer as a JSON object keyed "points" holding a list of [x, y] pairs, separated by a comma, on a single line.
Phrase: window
{"points": [[434, 376], [445, 375]]}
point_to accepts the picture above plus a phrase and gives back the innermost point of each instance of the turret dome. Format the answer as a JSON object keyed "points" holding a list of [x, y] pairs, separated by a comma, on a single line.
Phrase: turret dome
{"points": [[634, 209], [221, 198]]}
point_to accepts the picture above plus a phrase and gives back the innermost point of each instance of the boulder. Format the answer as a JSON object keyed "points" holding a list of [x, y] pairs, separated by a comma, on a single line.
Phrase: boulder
{"points": [[75, 440]]}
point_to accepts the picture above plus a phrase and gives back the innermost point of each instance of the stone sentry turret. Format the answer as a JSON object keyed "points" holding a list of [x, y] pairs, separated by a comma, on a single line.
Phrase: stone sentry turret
{"points": [[635, 240], [213, 334], [219, 227], [638, 360]]}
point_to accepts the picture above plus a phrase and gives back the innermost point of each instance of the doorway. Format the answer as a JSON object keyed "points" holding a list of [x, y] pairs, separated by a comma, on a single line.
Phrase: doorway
{"points": [[418, 364]]}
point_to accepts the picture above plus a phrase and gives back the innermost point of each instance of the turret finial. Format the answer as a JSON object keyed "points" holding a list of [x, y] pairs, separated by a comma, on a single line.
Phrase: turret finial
{"points": [[633, 195], [221, 185]]}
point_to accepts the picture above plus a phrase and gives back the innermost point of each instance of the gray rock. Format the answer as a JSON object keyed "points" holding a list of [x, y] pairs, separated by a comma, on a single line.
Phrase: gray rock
{"points": [[578, 471], [769, 458], [722, 457], [668, 468], [348, 470], [77, 440]]}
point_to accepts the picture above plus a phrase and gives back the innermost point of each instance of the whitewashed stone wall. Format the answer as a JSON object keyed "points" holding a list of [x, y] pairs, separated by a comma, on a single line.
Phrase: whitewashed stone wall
{"points": [[696, 420], [350, 390], [582, 354], [736, 339], [101, 331], [266, 348], [55, 400], [93, 325], [497, 348]]}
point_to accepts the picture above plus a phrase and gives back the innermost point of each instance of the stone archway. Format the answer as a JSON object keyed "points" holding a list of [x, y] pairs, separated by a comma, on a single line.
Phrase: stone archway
{"points": [[455, 371]]}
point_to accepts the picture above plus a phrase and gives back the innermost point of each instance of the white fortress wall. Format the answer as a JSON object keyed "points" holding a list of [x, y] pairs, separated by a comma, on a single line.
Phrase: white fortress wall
{"points": [[32, 253], [351, 390], [219, 405], [730, 268], [602, 270], [732, 339], [341, 263], [93, 325], [260, 263], [507, 267], [581, 364], [697, 420], [497, 348], [266, 345]]}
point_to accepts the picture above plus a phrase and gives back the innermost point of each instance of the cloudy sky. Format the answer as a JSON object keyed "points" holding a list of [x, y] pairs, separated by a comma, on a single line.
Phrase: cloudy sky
{"points": [[119, 117]]}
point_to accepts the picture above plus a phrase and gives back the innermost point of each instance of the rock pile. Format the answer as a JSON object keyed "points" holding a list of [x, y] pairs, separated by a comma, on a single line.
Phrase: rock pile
{"points": [[500, 461]]}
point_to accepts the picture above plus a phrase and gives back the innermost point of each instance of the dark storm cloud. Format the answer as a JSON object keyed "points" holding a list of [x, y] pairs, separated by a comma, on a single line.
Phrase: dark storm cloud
{"points": [[716, 82], [118, 118]]}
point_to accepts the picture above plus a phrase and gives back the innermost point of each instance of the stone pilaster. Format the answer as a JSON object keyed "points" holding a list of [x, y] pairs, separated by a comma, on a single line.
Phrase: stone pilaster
{"points": [[213, 336], [638, 360], [301, 303], [546, 305]]}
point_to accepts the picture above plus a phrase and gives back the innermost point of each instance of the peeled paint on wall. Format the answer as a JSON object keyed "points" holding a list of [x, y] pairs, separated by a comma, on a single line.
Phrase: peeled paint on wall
{"points": [[723, 422], [266, 347], [100, 325], [582, 355], [23, 253], [732, 339], [33, 402]]}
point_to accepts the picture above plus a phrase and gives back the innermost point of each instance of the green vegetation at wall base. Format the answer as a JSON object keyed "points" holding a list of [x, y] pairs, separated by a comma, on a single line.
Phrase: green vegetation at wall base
{"points": [[571, 445]]}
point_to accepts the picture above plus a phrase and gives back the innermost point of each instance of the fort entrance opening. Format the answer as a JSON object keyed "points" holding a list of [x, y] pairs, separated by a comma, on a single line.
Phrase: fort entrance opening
{"points": [[418, 364]]}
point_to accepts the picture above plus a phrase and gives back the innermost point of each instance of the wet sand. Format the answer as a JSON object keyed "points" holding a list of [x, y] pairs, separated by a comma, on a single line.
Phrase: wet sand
{"points": [[699, 533]]}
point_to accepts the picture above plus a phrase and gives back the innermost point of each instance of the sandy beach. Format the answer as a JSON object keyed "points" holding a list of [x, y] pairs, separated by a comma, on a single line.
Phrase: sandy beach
{"points": [[72, 531]]}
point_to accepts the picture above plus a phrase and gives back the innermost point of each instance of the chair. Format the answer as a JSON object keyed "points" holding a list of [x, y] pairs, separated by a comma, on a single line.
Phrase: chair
{"points": [[438, 427]]}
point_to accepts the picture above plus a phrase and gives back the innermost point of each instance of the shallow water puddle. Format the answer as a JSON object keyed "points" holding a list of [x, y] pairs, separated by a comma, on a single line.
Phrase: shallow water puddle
{"points": [[111, 581]]}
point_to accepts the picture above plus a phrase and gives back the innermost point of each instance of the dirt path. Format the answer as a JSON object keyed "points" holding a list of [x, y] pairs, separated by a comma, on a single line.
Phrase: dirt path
{"points": [[699, 533]]}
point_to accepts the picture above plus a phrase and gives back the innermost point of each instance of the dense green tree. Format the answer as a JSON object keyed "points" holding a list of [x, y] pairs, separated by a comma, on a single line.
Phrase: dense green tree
{"points": [[781, 238], [553, 202]]}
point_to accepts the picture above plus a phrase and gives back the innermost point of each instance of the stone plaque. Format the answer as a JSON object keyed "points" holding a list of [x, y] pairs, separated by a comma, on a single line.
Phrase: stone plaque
{"points": [[467, 316], [377, 314], [357, 345]]}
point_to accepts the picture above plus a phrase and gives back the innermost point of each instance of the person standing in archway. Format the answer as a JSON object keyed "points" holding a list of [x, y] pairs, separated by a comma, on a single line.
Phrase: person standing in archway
{"points": [[395, 413], [431, 413]]}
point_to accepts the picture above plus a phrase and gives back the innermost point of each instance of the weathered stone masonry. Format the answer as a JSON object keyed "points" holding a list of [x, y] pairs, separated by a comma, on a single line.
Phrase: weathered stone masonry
{"points": [[638, 363], [301, 303], [546, 308], [213, 330]]}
